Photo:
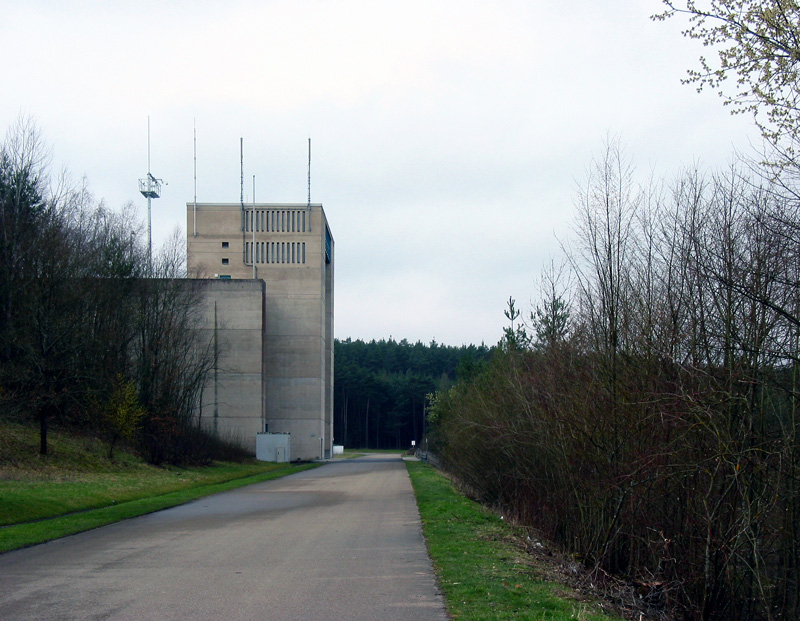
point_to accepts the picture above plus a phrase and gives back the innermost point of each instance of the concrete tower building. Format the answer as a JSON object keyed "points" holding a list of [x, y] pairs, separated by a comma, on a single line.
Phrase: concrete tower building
{"points": [[271, 264]]}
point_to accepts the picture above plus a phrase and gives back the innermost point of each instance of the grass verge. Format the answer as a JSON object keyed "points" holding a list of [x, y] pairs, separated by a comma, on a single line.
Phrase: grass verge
{"points": [[349, 455], [483, 574], [353, 453], [29, 495], [75, 487], [150, 496]]}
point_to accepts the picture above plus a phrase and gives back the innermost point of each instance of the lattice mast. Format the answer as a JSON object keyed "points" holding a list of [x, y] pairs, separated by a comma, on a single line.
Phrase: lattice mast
{"points": [[150, 187]]}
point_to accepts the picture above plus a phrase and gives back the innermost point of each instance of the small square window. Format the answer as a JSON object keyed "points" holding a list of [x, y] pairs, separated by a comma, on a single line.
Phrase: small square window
{"points": [[224, 261], [224, 244]]}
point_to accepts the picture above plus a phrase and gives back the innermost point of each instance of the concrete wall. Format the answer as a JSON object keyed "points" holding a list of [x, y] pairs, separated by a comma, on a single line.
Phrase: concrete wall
{"points": [[232, 319], [298, 302]]}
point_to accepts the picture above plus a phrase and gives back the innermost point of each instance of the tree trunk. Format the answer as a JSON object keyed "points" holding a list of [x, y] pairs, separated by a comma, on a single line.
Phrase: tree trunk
{"points": [[43, 431]]}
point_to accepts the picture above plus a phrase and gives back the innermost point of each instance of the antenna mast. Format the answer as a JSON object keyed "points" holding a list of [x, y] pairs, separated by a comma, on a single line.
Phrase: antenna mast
{"points": [[241, 195], [150, 187], [195, 178], [308, 209], [254, 227]]}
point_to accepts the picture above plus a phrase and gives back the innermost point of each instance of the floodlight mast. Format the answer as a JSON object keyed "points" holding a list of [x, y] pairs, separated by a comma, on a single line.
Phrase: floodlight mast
{"points": [[150, 187]]}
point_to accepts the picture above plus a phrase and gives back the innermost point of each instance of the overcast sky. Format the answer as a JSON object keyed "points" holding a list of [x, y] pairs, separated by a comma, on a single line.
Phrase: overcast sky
{"points": [[448, 137]]}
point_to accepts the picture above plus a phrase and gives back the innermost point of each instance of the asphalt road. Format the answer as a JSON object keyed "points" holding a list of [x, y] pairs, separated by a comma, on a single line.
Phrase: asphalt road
{"points": [[342, 541]]}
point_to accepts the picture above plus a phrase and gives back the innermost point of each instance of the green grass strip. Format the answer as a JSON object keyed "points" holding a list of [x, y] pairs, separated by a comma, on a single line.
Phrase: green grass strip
{"points": [[32, 533], [482, 574], [30, 495]]}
